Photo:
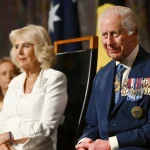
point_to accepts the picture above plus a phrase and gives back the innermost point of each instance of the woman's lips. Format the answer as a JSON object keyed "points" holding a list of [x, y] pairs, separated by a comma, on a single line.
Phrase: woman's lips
{"points": [[22, 58]]}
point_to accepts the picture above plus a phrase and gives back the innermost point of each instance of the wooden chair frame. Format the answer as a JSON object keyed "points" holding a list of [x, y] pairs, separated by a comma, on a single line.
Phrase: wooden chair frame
{"points": [[93, 42]]}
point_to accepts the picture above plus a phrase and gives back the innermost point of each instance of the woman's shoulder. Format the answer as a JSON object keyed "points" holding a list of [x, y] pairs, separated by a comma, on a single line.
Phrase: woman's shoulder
{"points": [[52, 73], [17, 78]]}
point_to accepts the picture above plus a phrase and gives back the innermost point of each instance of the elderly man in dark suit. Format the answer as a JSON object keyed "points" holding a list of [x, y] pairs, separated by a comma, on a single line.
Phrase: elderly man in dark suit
{"points": [[118, 115]]}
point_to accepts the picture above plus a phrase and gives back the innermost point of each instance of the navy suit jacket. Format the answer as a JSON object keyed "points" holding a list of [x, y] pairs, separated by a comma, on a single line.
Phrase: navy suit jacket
{"points": [[103, 122]]}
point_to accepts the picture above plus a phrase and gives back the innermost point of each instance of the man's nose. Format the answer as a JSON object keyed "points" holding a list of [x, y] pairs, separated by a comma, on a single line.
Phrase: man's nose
{"points": [[110, 40]]}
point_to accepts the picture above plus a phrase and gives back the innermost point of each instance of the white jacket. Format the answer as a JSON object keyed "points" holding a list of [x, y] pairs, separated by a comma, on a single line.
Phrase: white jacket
{"points": [[37, 114]]}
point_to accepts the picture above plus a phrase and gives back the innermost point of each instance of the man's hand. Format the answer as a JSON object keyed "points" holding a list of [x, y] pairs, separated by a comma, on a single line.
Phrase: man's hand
{"points": [[100, 145], [84, 145]]}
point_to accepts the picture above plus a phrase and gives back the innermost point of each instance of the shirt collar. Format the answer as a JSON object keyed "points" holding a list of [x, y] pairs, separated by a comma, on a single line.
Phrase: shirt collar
{"points": [[130, 59]]}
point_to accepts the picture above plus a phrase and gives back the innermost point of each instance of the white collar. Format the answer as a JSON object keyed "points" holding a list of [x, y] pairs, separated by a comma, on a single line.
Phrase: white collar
{"points": [[130, 59]]}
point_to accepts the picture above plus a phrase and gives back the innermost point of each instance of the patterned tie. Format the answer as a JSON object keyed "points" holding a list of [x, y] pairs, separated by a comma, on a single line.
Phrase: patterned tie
{"points": [[118, 81]]}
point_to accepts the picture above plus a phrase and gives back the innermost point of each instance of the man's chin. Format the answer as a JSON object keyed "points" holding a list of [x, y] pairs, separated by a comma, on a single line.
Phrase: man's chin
{"points": [[117, 58]]}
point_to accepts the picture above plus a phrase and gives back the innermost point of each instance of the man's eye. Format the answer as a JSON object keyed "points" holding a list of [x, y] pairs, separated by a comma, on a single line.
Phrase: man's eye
{"points": [[104, 35], [115, 34]]}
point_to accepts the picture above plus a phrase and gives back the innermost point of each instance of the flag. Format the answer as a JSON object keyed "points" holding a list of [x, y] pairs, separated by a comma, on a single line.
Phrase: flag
{"points": [[63, 23], [103, 59]]}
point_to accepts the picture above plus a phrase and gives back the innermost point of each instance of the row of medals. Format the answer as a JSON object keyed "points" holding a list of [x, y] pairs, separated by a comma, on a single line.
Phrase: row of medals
{"points": [[136, 88]]}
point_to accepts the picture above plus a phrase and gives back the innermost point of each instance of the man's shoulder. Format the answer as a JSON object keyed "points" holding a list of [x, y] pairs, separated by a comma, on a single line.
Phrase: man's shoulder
{"points": [[143, 52], [143, 57]]}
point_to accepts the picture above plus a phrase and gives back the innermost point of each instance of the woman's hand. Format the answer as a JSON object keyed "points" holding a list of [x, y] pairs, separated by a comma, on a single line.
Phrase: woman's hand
{"points": [[6, 147], [4, 138], [21, 141]]}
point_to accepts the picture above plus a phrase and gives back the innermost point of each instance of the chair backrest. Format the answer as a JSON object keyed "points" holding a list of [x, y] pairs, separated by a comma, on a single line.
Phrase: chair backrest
{"points": [[80, 69]]}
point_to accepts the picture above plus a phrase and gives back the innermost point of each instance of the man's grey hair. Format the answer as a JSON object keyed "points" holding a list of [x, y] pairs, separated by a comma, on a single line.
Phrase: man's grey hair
{"points": [[126, 14]]}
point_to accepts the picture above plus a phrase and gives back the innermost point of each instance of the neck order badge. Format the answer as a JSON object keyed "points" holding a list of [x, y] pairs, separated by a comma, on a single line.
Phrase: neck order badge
{"points": [[117, 85]]}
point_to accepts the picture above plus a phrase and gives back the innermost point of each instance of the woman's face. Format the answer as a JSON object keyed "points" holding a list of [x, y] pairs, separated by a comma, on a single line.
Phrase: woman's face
{"points": [[25, 55], [7, 72]]}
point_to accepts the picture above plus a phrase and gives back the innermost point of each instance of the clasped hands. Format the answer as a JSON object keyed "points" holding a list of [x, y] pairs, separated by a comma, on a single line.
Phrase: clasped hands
{"points": [[89, 144], [5, 141]]}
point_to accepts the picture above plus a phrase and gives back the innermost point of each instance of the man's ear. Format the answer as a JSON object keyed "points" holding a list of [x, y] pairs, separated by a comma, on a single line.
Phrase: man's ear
{"points": [[135, 35]]}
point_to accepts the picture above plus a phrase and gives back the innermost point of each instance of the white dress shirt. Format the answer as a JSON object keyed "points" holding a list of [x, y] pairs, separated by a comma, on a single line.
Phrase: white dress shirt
{"points": [[37, 114]]}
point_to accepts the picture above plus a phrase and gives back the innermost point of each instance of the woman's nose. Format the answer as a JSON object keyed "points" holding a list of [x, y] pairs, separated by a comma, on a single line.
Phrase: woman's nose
{"points": [[20, 50]]}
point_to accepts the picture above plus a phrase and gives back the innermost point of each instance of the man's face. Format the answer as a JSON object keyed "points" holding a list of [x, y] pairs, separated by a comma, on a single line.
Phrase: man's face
{"points": [[116, 41]]}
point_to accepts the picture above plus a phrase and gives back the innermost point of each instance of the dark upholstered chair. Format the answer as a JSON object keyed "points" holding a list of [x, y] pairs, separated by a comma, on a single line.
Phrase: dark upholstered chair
{"points": [[80, 69]]}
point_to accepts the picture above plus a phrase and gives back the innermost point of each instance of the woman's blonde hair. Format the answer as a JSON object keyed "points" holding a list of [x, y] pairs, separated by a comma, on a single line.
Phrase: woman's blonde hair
{"points": [[38, 36]]}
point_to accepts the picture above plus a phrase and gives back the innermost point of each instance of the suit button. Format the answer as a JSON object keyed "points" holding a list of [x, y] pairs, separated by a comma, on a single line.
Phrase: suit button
{"points": [[114, 124]]}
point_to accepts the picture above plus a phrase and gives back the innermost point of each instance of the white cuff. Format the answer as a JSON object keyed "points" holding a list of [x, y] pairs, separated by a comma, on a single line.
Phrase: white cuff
{"points": [[113, 143]]}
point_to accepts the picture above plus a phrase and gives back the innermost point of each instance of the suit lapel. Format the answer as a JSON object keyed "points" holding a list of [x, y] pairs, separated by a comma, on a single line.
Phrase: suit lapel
{"points": [[121, 99], [138, 65]]}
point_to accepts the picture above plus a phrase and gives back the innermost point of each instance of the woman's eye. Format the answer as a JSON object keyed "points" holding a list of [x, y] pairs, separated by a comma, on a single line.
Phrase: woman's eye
{"points": [[26, 46], [16, 46]]}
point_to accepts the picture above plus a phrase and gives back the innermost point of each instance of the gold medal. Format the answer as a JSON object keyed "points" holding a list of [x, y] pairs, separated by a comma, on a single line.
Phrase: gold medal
{"points": [[117, 85], [125, 83], [137, 112]]}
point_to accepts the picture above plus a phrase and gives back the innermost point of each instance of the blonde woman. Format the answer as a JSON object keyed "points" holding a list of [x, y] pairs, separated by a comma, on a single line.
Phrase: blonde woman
{"points": [[36, 99]]}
